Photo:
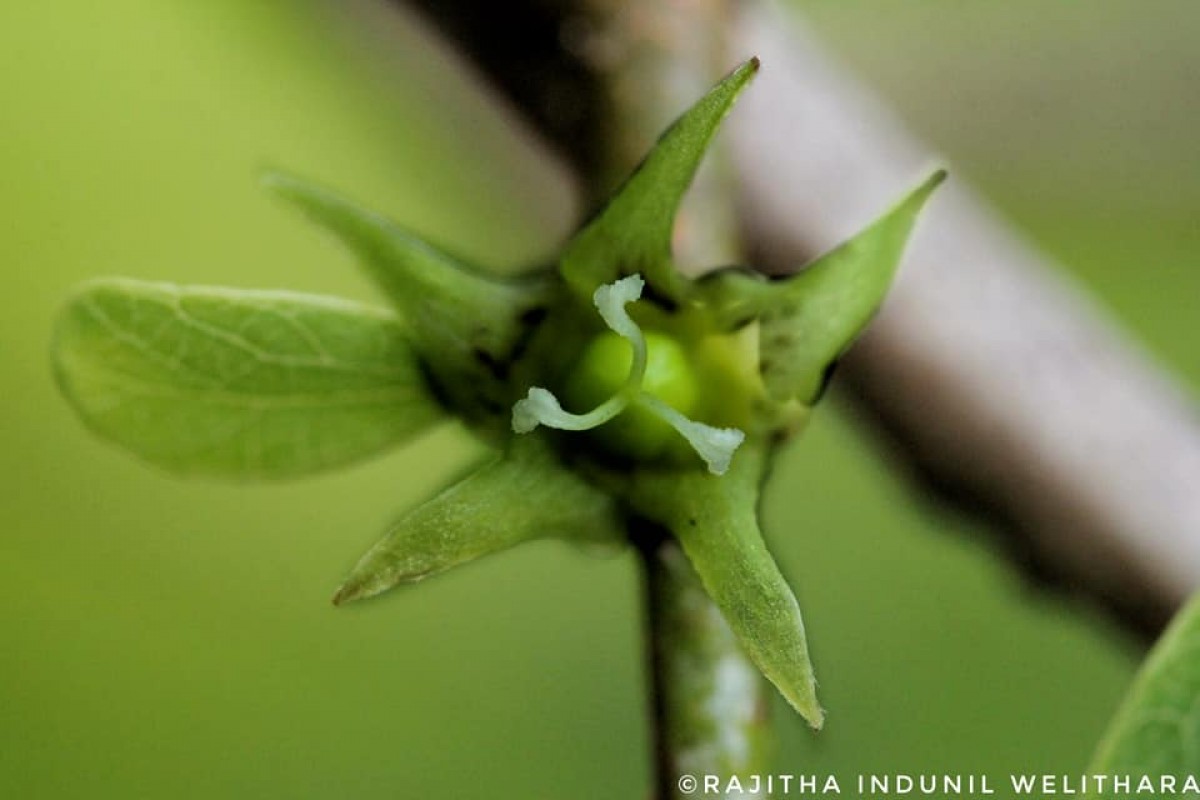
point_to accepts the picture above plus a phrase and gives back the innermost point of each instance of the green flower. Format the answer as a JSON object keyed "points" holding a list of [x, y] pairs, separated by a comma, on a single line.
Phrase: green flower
{"points": [[615, 391]]}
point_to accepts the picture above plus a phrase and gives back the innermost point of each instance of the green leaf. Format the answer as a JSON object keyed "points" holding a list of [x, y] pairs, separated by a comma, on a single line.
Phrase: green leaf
{"points": [[523, 495], [465, 325], [632, 234], [716, 521], [810, 318], [240, 384], [1157, 728]]}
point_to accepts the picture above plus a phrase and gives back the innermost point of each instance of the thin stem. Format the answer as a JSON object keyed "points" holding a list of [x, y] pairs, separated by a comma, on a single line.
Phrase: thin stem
{"points": [[709, 707]]}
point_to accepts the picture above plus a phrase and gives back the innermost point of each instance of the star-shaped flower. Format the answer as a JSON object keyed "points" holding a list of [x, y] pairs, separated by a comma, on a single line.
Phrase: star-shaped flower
{"points": [[614, 390]]}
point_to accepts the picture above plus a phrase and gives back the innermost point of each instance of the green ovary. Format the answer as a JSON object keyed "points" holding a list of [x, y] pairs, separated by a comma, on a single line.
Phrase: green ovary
{"points": [[603, 370], [638, 392]]}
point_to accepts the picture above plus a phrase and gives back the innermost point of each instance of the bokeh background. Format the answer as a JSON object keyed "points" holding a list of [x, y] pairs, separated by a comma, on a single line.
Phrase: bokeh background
{"points": [[171, 639]]}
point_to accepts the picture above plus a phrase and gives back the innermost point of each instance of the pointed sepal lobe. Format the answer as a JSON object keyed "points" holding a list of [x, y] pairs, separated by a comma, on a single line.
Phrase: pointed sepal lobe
{"points": [[715, 519], [522, 495], [466, 326], [632, 233]]}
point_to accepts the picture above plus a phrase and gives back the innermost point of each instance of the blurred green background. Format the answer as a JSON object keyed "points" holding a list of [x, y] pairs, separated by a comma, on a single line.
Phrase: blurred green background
{"points": [[172, 639]]}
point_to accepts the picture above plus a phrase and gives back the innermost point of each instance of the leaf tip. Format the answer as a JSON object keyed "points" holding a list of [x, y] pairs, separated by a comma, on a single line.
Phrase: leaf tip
{"points": [[923, 191], [280, 183], [742, 74], [353, 590], [375, 574], [348, 592], [806, 705], [935, 179], [816, 718], [913, 203]]}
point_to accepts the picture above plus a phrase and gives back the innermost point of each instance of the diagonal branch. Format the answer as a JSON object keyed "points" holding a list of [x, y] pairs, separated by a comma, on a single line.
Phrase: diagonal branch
{"points": [[998, 382]]}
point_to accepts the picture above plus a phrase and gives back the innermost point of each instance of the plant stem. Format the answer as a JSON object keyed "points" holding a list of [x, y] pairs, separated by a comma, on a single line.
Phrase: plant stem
{"points": [[709, 708]]}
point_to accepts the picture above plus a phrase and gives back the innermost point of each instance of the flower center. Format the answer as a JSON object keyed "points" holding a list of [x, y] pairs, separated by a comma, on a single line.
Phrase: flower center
{"points": [[649, 384]]}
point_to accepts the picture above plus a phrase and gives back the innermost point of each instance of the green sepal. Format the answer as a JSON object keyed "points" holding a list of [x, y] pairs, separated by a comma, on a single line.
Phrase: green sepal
{"points": [[808, 320], [238, 384], [466, 325], [522, 495], [632, 233], [715, 519], [1158, 725]]}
